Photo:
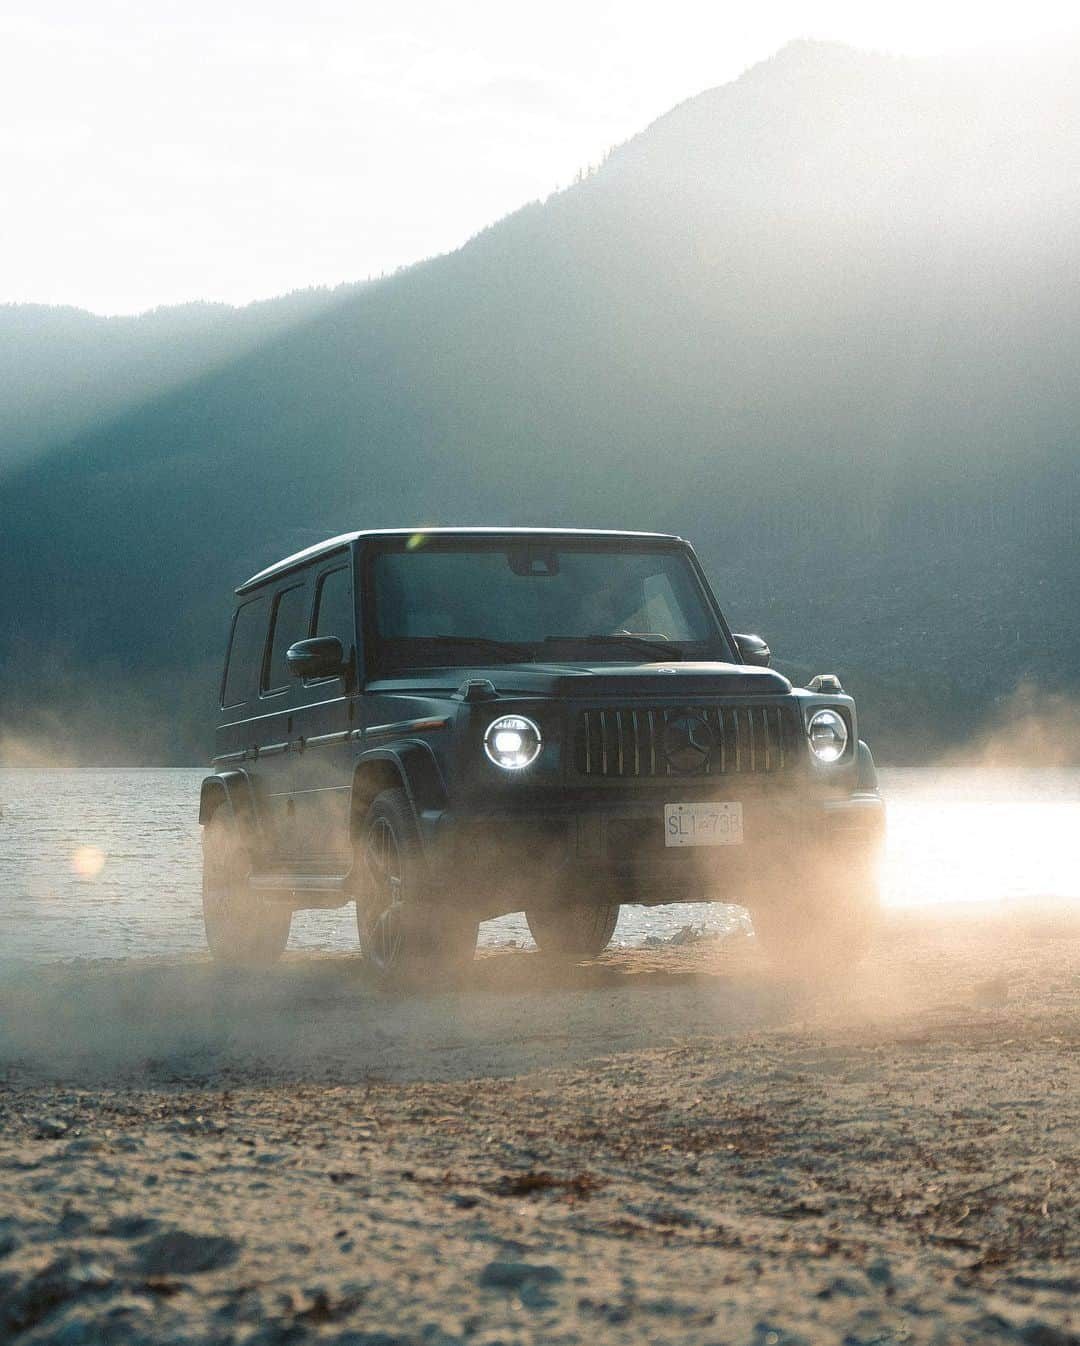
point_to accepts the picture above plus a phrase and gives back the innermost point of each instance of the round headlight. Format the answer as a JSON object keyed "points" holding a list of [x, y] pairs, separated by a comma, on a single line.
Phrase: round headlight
{"points": [[512, 742], [828, 735]]}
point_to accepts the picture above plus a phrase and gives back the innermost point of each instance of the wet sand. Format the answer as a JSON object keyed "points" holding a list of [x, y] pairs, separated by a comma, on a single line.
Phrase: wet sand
{"points": [[663, 1145]]}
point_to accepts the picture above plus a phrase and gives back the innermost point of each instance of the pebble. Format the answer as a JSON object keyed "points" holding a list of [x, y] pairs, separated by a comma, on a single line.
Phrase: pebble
{"points": [[130, 1227], [84, 1145], [840, 1285], [73, 1221], [765, 1334], [879, 1272], [687, 935], [352, 1338], [49, 1128], [180, 1253], [514, 1275]]}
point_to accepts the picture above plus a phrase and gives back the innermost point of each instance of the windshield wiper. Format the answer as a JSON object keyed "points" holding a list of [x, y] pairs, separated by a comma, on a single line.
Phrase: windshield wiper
{"points": [[504, 647], [660, 646]]}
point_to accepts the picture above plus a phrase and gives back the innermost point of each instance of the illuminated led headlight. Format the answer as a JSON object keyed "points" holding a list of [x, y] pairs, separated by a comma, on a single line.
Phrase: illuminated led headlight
{"points": [[512, 742], [828, 735]]}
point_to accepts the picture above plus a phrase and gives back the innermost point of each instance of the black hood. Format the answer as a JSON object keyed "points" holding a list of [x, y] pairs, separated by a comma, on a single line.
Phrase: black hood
{"points": [[579, 682]]}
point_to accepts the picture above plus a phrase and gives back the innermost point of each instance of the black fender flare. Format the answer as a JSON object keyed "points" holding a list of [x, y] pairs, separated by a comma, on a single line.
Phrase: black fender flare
{"points": [[234, 791], [866, 777], [410, 766]]}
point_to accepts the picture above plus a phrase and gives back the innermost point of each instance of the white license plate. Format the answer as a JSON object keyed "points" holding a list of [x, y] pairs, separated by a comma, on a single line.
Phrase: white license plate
{"points": [[703, 825]]}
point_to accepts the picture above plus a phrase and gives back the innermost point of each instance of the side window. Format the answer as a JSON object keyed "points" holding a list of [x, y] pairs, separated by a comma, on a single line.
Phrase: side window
{"points": [[246, 646], [333, 615], [287, 627]]}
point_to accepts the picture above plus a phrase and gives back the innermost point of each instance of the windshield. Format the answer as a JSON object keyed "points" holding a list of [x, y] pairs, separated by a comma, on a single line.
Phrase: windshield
{"points": [[473, 602]]}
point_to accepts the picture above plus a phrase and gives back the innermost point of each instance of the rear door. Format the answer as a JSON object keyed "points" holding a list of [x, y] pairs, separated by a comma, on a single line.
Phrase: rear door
{"points": [[276, 725], [323, 750]]}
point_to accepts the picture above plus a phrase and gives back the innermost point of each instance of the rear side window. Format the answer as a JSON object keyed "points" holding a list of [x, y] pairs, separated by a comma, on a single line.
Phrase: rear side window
{"points": [[246, 646], [334, 608], [288, 626]]}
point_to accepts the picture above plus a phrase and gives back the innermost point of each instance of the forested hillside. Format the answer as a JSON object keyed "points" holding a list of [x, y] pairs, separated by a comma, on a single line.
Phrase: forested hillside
{"points": [[63, 370], [823, 320]]}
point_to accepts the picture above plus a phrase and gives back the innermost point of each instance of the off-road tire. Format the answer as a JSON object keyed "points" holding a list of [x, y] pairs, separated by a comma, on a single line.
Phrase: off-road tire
{"points": [[405, 935], [574, 930], [241, 927]]}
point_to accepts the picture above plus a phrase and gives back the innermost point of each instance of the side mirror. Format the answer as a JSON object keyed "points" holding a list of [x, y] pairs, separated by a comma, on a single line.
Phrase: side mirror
{"points": [[753, 650], [319, 657]]}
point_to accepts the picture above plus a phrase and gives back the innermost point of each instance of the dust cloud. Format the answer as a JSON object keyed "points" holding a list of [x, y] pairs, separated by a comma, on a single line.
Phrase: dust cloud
{"points": [[966, 856], [512, 1011], [1031, 728], [20, 751]]}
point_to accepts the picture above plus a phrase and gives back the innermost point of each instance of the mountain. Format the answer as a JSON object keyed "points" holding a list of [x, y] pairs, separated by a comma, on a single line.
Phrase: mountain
{"points": [[822, 320], [63, 370]]}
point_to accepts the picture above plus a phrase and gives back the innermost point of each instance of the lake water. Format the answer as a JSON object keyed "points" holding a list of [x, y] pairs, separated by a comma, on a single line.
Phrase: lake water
{"points": [[98, 863]]}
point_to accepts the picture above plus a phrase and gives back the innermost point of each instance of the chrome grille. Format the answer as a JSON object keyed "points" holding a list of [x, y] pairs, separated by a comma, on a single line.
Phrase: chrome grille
{"points": [[670, 741]]}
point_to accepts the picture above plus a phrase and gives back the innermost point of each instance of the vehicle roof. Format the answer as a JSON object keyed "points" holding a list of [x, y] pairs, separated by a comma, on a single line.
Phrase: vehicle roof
{"points": [[344, 539]]}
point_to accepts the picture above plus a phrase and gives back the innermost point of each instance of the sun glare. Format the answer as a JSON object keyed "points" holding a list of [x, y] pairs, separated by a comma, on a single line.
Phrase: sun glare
{"points": [[87, 861], [971, 852]]}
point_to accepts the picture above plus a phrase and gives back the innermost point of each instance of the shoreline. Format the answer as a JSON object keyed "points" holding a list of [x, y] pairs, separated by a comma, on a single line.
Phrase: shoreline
{"points": [[660, 1145]]}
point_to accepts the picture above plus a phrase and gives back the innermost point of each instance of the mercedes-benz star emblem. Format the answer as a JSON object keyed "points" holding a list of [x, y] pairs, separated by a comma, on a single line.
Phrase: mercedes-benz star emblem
{"points": [[688, 744]]}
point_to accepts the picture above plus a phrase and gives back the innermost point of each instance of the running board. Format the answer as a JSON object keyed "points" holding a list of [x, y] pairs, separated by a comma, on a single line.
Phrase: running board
{"points": [[309, 890]]}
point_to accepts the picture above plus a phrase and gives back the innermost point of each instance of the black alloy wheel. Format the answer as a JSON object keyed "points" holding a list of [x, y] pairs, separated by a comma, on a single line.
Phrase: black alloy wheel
{"points": [[405, 934]]}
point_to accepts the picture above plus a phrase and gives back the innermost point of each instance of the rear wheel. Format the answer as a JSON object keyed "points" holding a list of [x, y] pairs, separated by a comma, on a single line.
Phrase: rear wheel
{"points": [[574, 930], [241, 927], [403, 933]]}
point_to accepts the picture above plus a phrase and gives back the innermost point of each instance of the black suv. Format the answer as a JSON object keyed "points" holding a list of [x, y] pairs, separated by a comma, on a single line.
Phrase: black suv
{"points": [[445, 725]]}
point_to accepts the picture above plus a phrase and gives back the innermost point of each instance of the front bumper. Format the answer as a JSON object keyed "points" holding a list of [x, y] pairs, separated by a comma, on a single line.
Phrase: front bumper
{"points": [[618, 843]]}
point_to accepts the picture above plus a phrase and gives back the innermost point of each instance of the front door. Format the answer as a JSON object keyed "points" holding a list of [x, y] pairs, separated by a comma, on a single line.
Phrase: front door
{"points": [[323, 725]]}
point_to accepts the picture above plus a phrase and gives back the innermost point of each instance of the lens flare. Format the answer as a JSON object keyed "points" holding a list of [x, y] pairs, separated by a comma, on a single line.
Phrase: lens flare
{"points": [[87, 861]]}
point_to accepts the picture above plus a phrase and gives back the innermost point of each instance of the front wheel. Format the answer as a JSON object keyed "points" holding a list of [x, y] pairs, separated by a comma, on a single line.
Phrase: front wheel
{"points": [[575, 930], [403, 933], [240, 926]]}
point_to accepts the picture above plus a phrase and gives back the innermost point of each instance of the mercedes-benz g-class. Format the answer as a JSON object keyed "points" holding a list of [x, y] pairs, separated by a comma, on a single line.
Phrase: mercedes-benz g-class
{"points": [[446, 725]]}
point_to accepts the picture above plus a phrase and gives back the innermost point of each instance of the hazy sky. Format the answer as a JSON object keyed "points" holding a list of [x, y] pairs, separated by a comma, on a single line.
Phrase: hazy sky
{"points": [[157, 152]]}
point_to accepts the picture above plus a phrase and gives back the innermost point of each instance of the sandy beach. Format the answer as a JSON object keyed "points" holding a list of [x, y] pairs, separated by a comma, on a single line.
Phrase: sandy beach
{"points": [[664, 1145]]}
